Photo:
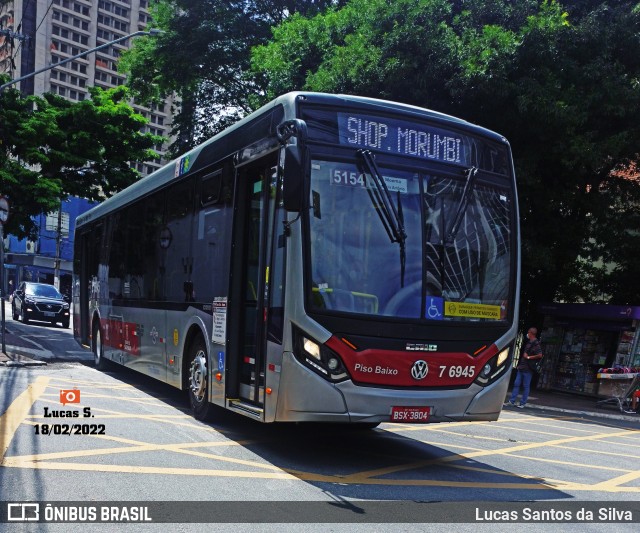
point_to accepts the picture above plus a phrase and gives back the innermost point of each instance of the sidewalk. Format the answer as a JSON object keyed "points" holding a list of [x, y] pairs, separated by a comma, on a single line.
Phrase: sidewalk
{"points": [[572, 405], [19, 351]]}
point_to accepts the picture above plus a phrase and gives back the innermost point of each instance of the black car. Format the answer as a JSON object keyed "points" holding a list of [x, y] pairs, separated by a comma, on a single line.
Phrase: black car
{"points": [[40, 301]]}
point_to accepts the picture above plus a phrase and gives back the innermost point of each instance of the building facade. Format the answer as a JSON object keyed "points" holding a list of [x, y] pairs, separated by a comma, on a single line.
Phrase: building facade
{"points": [[35, 34], [51, 252], [49, 31]]}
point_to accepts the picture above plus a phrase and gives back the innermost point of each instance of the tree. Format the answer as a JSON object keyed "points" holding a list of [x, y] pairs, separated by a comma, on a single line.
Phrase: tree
{"points": [[204, 57], [559, 81], [29, 192], [51, 148]]}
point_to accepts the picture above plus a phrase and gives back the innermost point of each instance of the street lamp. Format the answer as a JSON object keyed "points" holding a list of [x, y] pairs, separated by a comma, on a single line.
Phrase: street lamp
{"points": [[152, 32]]}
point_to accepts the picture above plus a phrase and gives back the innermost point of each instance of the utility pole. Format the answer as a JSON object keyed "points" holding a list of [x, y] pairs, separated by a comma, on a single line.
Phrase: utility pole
{"points": [[4, 215], [11, 35], [56, 273], [14, 35]]}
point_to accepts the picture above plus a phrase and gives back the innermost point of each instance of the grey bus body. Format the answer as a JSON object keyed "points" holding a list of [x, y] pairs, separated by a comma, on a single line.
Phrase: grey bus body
{"points": [[328, 258]]}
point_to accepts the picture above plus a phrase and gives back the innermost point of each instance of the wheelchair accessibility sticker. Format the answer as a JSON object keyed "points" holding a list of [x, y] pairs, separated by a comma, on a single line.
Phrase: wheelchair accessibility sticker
{"points": [[434, 307]]}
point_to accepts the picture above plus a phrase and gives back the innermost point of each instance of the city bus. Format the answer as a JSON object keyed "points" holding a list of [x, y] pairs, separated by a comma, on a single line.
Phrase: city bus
{"points": [[328, 258]]}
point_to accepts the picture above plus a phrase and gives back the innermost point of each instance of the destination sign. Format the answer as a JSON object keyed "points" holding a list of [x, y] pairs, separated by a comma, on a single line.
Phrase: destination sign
{"points": [[403, 137]]}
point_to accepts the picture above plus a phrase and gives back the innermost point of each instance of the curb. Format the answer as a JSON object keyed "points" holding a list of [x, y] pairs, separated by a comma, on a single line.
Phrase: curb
{"points": [[592, 414], [14, 364], [17, 356]]}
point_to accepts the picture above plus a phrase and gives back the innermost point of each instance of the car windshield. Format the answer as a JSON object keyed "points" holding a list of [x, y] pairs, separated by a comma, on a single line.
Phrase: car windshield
{"points": [[44, 291], [438, 274]]}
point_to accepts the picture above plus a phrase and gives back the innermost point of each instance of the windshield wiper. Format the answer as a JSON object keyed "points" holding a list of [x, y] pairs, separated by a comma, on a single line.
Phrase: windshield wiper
{"points": [[464, 202], [392, 219]]}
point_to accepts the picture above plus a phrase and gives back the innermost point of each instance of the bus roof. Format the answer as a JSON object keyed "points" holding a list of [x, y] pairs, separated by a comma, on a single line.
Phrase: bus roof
{"points": [[286, 106]]}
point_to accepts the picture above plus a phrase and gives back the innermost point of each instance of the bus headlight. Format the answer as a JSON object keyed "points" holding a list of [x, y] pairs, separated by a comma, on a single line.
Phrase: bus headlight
{"points": [[311, 348], [494, 368], [318, 357], [503, 356]]}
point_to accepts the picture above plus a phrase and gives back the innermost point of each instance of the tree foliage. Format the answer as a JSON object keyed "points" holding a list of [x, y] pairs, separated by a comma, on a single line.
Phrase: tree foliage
{"points": [[204, 57], [561, 80], [51, 148]]}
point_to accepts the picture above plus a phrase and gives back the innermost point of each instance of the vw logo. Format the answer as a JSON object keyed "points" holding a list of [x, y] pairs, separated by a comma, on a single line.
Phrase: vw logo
{"points": [[419, 370], [48, 306]]}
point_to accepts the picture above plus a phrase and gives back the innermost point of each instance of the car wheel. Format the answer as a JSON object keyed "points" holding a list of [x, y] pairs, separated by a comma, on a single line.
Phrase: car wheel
{"points": [[14, 313], [23, 317], [65, 325]]}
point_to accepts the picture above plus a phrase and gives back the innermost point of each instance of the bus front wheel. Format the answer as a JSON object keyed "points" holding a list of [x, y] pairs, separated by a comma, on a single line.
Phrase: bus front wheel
{"points": [[198, 384]]}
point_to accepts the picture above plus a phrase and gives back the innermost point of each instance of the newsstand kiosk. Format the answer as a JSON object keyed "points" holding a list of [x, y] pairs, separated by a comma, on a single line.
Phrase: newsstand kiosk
{"points": [[585, 344]]}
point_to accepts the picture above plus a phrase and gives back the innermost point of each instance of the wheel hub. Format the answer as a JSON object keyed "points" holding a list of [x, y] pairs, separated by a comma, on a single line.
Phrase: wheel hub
{"points": [[198, 376]]}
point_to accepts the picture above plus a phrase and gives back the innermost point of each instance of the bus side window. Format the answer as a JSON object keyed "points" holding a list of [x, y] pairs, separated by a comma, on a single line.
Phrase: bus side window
{"points": [[178, 256], [210, 188], [211, 235]]}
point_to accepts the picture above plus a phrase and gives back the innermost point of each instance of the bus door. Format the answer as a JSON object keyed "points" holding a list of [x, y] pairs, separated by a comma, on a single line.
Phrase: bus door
{"points": [[249, 287]]}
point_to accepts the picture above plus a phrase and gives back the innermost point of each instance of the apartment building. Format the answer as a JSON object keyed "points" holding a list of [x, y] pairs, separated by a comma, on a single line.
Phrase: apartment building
{"points": [[54, 30]]}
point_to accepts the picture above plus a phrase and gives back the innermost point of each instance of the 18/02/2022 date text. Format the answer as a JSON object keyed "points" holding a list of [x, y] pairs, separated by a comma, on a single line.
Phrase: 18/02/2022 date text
{"points": [[69, 429]]}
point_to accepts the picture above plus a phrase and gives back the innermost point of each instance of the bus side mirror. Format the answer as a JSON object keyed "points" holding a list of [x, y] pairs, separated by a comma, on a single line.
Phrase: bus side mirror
{"points": [[293, 178], [293, 162]]}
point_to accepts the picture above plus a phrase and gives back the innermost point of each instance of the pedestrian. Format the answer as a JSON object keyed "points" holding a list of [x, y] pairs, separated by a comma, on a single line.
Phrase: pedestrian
{"points": [[531, 352]]}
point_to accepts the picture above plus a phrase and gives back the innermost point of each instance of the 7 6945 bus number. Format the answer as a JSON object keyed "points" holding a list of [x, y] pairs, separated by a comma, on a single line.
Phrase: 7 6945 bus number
{"points": [[457, 371]]}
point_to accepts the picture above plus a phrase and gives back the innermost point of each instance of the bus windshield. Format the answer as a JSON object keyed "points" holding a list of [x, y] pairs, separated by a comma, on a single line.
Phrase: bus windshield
{"points": [[438, 274]]}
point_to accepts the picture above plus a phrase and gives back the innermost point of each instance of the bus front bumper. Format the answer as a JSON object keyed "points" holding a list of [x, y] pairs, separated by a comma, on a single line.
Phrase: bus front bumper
{"points": [[308, 397]]}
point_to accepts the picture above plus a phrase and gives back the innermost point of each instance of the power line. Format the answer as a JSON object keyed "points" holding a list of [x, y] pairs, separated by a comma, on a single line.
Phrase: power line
{"points": [[11, 35], [19, 27], [37, 28]]}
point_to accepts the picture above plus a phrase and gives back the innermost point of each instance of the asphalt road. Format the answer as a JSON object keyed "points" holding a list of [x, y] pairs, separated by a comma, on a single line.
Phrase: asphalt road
{"points": [[133, 439]]}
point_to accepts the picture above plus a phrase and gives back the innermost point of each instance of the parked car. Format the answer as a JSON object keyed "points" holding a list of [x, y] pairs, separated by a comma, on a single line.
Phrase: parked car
{"points": [[39, 301]]}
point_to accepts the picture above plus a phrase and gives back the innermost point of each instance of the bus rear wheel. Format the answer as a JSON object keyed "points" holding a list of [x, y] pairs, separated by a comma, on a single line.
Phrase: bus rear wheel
{"points": [[98, 349], [198, 380]]}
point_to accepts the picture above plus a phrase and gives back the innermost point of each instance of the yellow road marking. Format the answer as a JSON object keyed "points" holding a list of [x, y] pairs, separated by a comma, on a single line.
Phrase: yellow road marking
{"points": [[90, 467], [179, 448], [614, 484], [537, 431], [44, 461], [577, 430], [615, 454], [634, 446], [361, 476], [569, 463], [17, 412], [451, 432]]}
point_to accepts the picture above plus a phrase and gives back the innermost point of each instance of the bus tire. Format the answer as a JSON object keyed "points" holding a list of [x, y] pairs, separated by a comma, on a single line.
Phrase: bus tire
{"points": [[98, 349], [197, 380]]}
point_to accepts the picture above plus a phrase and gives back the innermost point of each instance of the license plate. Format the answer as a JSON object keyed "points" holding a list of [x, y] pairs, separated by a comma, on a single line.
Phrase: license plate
{"points": [[410, 414], [49, 313]]}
